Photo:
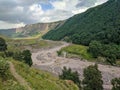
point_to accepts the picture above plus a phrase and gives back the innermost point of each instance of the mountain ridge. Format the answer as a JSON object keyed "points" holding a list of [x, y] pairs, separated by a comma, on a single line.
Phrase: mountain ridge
{"points": [[31, 29], [100, 23]]}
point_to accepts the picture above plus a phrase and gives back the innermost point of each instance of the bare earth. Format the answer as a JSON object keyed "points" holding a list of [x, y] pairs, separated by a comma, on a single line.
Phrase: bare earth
{"points": [[48, 60], [19, 78]]}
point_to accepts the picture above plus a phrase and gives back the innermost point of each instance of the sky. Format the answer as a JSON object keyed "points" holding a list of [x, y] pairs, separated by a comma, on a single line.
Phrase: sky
{"points": [[17, 13]]}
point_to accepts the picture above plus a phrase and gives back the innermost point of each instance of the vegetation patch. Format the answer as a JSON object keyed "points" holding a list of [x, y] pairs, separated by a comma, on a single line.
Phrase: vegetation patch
{"points": [[111, 52], [42, 80], [7, 81], [76, 51]]}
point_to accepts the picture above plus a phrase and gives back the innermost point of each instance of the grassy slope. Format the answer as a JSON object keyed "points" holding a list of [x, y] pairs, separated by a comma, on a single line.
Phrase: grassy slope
{"points": [[10, 83], [31, 37], [77, 51], [40, 80]]}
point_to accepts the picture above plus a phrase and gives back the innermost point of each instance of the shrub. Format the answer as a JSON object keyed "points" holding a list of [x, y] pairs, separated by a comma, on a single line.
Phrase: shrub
{"points": [[116, 84], [92, 78], [4, 66], [67, 74], [3, 45]]}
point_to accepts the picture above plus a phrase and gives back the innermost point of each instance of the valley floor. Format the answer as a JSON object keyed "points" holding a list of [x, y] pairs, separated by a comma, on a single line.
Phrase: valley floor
{"points": [[47, 59]]}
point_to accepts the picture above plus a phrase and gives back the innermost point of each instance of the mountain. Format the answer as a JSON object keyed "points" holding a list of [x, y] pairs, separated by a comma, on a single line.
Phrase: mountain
{"points": [[7, 32], [101, 23], [31, 30]]}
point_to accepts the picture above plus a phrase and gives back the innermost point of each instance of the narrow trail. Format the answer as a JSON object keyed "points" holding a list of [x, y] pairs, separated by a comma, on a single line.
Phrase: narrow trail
{"points": [[19, 78], [48, 60]]}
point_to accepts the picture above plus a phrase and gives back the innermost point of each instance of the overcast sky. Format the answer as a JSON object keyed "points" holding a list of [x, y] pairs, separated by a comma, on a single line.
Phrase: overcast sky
{"points": [[16, 13]]}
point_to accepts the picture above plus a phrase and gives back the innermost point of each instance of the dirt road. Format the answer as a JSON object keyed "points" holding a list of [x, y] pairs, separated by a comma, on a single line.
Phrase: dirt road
{"points": [[49, 61]]}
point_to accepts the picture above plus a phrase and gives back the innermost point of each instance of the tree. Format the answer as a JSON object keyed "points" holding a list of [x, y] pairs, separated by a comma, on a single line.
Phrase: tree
{"points": [[67, 74], [92, 78], [95, 48], [3, 45], [116, 84], [26, 55], [110, 51]]}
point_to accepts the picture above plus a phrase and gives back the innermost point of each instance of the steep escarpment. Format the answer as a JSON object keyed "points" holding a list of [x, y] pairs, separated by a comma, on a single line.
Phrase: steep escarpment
{"points": [[39, 28], [31, 30]]}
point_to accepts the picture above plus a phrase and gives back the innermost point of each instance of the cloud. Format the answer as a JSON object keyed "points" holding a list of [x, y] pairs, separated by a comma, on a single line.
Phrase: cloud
{"points": [[86, 3], [14, 12], [6, 25]]}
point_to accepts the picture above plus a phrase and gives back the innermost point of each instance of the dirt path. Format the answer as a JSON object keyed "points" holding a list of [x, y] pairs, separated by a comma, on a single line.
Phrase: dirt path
{"points": [[20, 79], [48, 60]]}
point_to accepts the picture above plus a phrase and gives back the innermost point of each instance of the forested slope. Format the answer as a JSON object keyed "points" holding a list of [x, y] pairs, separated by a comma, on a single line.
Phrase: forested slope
{"points": [[101, 23]]}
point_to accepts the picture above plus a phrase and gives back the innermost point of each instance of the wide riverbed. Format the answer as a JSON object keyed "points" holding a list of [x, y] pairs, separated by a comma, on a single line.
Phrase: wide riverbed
{"points": [[47, 59]]}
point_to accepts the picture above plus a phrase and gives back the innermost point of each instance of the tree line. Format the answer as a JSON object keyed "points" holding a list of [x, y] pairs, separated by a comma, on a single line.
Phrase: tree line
{"points": [[92, 78], [110, 51]]}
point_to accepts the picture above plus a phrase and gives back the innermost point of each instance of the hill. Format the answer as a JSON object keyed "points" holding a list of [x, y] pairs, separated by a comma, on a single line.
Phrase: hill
{"points": [[101, 23], [21, 77], [31, 30], [16, 75], [7, 81], [42, 80]]}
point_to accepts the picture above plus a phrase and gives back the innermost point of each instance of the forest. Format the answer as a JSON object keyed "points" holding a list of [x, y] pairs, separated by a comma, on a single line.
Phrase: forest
{"points": [[101, 24]]}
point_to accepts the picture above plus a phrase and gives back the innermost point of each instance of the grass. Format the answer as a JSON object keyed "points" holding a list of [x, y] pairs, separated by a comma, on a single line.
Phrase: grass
{"points": [[79, 51], [10, 83], [118, 63], [30, 37], [40, 80], [21, 44]]}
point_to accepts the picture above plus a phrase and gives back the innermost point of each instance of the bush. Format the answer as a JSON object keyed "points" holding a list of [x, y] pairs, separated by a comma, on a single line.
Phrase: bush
{"points": [[24, 56], [92, 78], [4, 66], [59, 53], [18, 56], [9, 53], [3, 45], [116, 84], [67, 74]]}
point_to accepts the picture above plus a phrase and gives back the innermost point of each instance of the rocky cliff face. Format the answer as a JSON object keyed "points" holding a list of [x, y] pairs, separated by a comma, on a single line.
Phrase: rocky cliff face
{"points": [[32, 29], [39, 28]]}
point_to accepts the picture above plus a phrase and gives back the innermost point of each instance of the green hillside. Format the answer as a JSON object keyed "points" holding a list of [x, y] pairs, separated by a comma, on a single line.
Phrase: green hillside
{"points": [[7, 81], [36, 79], [41, 80], [16, 75], [101, 23]]}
